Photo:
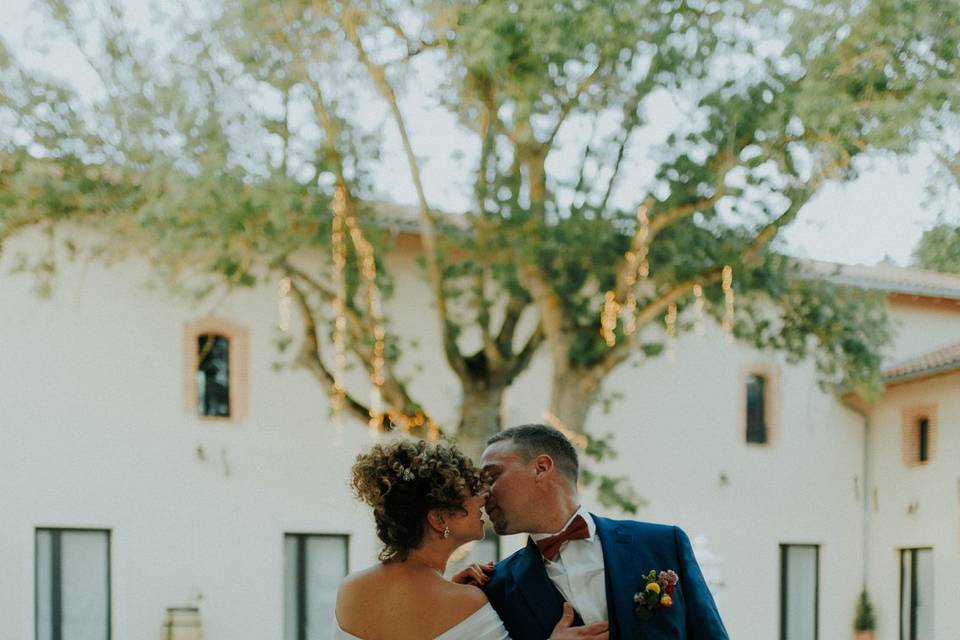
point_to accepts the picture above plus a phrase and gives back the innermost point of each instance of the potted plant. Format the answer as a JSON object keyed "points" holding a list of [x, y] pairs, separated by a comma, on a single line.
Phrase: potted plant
{"points": [[865, 622]]}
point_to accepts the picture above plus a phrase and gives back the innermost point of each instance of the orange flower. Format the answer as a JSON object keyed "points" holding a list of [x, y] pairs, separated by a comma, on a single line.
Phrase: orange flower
{"points": [[666, 601]]}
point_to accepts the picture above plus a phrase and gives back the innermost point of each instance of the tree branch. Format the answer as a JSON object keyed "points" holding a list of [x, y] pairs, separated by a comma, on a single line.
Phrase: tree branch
{"points": [[526, 353], [311, 357], [551, 313], [567, 106], [493, 354], [663, 220], [515, 306], [394, 390], [428, 224]]}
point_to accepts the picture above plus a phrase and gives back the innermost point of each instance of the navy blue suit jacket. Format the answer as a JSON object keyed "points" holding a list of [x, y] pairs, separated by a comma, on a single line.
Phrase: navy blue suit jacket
{"points": [[530, 605]]}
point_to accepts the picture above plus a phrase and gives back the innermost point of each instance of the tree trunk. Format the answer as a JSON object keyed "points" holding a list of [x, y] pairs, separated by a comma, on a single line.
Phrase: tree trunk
{"points": [[481, 415], [572, 394]]}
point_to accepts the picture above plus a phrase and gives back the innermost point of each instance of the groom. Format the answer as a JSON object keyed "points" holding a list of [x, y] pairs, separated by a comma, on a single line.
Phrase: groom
{"points": [[595, 563]]}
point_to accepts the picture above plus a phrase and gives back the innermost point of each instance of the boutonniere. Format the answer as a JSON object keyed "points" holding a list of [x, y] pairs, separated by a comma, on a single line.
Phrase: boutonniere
{"points": [[657, 593]]}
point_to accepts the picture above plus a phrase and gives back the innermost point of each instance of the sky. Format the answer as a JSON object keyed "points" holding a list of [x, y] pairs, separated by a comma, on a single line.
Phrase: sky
{"points": [[881, 215]]}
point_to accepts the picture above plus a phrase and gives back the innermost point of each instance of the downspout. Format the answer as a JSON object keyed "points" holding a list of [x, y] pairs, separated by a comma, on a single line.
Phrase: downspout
{"points": [[853, 406]]}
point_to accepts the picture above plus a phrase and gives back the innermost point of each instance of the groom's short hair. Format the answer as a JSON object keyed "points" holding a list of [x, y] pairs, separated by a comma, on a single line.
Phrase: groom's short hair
{"points": [[532, 440]]}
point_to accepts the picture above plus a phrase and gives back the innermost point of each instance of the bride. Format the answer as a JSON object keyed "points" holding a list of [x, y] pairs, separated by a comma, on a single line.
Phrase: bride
{"points": [[426, 501]]}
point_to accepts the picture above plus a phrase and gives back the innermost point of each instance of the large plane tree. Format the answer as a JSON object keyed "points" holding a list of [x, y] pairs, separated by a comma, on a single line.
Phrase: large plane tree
{"points": [[620, 157]]}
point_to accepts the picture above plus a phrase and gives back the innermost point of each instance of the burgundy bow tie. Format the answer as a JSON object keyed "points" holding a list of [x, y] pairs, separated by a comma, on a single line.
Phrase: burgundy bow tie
{"points": [[576, 530]]}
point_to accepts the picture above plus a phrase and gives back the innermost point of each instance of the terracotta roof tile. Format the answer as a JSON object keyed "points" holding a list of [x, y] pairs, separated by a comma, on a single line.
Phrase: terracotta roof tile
{"points": [[945, 359]]}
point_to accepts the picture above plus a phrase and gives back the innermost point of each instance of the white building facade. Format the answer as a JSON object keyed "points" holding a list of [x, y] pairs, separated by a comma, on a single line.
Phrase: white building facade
{"points": [[120, 502]]}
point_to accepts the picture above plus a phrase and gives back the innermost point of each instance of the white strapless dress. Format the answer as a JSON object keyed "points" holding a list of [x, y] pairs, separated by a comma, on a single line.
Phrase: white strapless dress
{"points": [[483, 624]]}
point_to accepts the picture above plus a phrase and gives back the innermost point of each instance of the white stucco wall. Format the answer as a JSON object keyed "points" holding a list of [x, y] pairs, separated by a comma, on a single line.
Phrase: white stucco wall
{"points": [[93, 434], [922, 328], [934, 488]]}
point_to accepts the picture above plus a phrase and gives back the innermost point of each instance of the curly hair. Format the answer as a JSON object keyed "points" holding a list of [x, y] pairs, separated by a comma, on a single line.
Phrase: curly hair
{"points": [[403, 480]]}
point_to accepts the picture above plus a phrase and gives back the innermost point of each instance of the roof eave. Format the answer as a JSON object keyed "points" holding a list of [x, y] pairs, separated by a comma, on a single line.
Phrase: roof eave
{"points": [[923, 374]]}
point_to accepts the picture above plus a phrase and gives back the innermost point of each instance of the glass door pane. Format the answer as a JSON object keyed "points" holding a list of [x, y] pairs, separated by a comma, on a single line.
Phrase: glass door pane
{"points": [[800, 598]]}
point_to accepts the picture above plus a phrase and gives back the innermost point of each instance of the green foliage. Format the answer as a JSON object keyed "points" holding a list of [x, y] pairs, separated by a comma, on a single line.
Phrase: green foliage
{"points": [[842, 329], [216, 156], [614, 492], [865, 620], [939, 249]]}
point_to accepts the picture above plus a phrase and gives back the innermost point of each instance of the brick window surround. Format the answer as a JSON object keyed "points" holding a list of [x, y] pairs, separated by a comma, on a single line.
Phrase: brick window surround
{"points": [[910, 438], [238, 338]]}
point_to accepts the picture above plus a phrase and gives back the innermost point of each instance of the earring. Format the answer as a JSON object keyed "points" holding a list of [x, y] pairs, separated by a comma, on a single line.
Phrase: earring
{"points": [[446, 532]]}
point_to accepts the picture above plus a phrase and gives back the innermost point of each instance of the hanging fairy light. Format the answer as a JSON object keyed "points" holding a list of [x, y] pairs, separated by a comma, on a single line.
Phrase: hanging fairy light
{"points": [[699, 325], [345, 223], [338, 242], [630, 304], [608, 318], [283, 304], [728, 302], [638, 267], [671, 325], [368, 270]]}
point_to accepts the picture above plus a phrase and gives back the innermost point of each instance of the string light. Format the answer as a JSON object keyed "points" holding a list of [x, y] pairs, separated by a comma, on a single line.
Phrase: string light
{"points": [[338, 242], [671, 322], [344, 223], [638, 267], [368, 270], [608, 318], [699, 326], [728, 302], [643, 236], [630, 304], [283, 304]]}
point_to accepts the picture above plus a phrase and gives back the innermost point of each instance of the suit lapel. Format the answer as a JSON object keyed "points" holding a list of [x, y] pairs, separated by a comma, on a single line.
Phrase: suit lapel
{"points": [[536, 588], [621, 576]]}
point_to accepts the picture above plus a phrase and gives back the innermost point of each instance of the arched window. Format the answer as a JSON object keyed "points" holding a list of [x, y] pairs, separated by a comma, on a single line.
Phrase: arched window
{"points": [[919, 442], [215, 376], [759, 384]]}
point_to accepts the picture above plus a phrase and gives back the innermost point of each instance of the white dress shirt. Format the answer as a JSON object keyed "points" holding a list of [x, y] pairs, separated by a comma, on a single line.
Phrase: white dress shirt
{"points": [[579, 572]]}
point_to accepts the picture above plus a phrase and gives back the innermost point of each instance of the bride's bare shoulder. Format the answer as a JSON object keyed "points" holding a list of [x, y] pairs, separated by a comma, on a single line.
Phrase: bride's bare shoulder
{"points": [[463, 600], [359, 586], [468, 594]]}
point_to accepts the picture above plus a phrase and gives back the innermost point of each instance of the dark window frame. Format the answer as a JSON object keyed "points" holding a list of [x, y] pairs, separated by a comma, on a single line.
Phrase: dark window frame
{"points": [[301, 580], [913, 552], [201, 357], [783, 589], [757, 429], [56, 586], [923, 439]]}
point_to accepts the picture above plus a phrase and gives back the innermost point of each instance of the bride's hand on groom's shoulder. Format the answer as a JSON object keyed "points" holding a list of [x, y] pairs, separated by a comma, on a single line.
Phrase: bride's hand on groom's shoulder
{"points": [[563, 630], [476, 574]]}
